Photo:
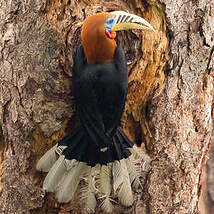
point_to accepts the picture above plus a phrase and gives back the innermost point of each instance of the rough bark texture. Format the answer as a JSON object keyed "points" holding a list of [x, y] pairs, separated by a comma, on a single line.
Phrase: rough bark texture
{"points": [[182, 113], [168, 110], [207, 195]]}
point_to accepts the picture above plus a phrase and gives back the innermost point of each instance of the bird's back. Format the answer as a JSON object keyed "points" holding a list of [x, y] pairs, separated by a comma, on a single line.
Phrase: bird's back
{"points": [[110, 91]]}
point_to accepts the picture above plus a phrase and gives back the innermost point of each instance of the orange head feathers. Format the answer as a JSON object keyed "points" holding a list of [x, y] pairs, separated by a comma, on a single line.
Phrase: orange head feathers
{"points": [[99, 31], [98, 47]]}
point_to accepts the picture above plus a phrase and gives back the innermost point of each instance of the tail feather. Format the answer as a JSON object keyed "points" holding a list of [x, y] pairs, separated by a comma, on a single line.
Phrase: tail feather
{"points": [[105, 179], [140, 156], [91, 203], [104, 174], [117, 175], [55, 175], [67, 188], [69, 165], [106, 187], [125, 193], [133, 174], [88, 192], [47, 160], [106, 205]]}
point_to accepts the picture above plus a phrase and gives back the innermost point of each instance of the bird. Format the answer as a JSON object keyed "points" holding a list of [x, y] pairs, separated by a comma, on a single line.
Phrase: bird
{"points": [[97, 155]]}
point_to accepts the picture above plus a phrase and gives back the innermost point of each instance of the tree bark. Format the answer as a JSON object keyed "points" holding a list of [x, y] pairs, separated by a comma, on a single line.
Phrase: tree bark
{"points": [[168, 108], [206, 203]]}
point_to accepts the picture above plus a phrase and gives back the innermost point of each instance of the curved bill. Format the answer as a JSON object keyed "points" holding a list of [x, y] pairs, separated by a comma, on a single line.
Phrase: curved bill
{"points": [[127, 21]]}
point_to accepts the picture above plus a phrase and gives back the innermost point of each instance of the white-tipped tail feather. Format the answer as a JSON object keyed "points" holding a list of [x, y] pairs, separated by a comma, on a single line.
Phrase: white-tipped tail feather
{"points": [[99, 182], [133, 173], [55, 175], [88, 192], [125, 192], [117, 175], [68, 186], [106, 205], [59, 172], [47, 160], [105, 186]]}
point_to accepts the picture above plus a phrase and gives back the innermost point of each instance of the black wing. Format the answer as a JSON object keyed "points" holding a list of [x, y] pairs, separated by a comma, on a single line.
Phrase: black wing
{"points": [[100, 91], [83, 80], [115, 92]]}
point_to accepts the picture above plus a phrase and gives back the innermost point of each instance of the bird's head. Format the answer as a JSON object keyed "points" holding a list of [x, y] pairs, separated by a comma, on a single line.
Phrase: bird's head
{"points": [[99, 31]]}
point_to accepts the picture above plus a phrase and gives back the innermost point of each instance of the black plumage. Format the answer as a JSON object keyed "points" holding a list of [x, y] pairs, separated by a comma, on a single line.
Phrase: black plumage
{"points": [[100, 91]]}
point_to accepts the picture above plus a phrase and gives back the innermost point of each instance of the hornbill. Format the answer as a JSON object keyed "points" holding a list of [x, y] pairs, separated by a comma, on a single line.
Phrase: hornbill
{"points": [[97, 153]]}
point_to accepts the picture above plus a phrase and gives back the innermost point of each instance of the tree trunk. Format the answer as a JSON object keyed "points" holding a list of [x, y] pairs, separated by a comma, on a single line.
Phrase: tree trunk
{"points": [[168, 108], [207, 193]]}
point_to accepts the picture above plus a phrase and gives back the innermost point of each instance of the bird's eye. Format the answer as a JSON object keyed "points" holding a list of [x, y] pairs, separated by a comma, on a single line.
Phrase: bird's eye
{"points": [[110, 21]]}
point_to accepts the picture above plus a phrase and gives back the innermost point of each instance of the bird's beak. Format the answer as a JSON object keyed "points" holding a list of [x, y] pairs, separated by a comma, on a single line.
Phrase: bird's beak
{"points": [[127, 21]]}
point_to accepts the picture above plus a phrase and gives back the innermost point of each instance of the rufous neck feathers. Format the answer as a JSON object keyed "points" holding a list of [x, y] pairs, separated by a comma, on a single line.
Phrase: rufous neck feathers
{"points": [[97, 46]]}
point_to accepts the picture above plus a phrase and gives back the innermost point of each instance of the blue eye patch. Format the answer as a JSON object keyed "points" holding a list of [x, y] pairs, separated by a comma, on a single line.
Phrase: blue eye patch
{"points": [[110, 22]]}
